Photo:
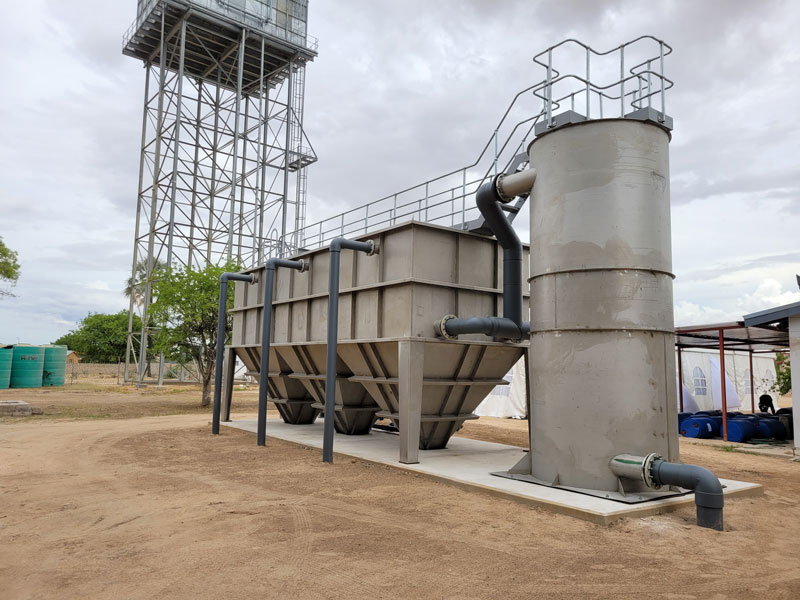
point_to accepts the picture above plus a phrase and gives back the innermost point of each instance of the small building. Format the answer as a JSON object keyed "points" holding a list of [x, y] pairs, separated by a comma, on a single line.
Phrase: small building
{"points": [[73, 357]]}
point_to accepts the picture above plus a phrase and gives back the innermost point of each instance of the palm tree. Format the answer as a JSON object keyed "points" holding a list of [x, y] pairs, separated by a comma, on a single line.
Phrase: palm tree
{"points": [[135, 285]]}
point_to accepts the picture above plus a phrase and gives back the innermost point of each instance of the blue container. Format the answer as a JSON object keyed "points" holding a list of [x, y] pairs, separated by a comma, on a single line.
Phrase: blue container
{"points": [[770, 428], [740, 430], [788, 425], [682, 416], [699, 427]]}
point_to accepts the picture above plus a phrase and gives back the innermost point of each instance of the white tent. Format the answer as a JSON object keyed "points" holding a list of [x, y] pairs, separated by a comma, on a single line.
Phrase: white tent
{"points": [[701, 377], [507, 401]]}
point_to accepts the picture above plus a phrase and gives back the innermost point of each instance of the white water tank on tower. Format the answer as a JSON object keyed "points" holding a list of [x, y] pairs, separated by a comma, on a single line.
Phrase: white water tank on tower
{"points": [[602, 370]]}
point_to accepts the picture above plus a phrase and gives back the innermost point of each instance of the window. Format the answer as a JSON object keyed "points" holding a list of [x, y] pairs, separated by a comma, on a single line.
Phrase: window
{"points": [[699, 382]]}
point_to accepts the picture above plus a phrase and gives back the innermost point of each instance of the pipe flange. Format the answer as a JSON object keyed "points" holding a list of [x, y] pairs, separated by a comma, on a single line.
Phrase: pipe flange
{"points": [[373, 248], [440, 328], [498, 186], [647, 470], [304, 265]]}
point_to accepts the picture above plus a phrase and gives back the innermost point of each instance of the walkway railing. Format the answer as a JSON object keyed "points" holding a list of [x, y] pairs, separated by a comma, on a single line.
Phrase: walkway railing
{"points": [[598, 85]]}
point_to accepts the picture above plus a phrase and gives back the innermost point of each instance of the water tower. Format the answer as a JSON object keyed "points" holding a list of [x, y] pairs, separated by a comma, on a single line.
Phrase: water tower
{"points": [[222, 173]]}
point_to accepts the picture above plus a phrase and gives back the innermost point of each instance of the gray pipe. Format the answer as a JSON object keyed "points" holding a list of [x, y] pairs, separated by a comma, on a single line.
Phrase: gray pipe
{"points": [[221, 330], [654, 471], [333, 335], [450, 327], [488, 199], [266, 334]]}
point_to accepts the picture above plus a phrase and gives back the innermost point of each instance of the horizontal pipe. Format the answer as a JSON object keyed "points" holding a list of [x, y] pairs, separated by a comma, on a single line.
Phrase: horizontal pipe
{"points": [[498, 327], [654, 471], [221, 331], [516, 184], [266, 333]]}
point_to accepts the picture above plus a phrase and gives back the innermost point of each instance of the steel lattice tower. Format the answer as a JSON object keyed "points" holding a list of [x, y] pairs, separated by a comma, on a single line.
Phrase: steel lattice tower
{"points": [[223, 152]]}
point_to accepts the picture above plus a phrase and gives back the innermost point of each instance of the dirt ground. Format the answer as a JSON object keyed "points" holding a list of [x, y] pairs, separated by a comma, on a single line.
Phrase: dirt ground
{"points": [[123, 505]]}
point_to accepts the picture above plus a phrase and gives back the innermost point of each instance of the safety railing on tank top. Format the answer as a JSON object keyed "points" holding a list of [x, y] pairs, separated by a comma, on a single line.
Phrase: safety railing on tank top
{"points": [[266, 23], [612, 91]]}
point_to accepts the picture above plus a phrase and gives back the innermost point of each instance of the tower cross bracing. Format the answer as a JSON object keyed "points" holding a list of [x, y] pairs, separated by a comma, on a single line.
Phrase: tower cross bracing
{"points": [[223, 152]]}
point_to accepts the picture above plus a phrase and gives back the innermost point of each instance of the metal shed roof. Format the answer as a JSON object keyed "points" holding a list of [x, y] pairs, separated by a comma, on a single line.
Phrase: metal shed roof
{"points": [[778, 316], [736, 335]]}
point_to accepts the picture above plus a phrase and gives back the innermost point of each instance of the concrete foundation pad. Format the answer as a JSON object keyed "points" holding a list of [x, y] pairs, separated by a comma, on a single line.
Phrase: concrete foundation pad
{"points": [[468, 464], [15, 408]]}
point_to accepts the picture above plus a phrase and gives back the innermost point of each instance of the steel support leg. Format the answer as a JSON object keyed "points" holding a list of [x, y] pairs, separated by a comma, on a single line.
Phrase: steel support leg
{"points": [[411, 357]]}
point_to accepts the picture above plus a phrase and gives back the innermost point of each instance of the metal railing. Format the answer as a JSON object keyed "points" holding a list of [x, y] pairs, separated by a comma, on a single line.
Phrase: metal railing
{"points": [[446, 200], [263, 20]]}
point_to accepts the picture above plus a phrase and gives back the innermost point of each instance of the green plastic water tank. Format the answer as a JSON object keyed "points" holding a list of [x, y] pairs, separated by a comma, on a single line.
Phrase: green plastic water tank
{"points": [[6, 354], [27, 366], [55, 365]]}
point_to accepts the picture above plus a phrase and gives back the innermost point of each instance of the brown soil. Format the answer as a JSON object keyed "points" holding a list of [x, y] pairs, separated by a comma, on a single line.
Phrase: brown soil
{"points": [[158, 508], [91, 401]]}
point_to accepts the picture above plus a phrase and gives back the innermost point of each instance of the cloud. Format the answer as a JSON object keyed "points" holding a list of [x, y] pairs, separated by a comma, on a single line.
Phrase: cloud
{"points": [[401, 93]]}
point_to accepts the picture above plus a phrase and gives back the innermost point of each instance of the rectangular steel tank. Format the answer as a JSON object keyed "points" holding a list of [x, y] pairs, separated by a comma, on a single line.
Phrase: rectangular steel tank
{"points": [[390, 362]]}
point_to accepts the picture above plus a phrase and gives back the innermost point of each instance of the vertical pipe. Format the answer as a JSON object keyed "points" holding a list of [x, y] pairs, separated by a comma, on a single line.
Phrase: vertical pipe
{"points": [[333, 336], [649, 84], [723, 386], [266, 339], [680, 377], [266, 334], [221, 329], [752, 385], [222, 317], [330, 356]]}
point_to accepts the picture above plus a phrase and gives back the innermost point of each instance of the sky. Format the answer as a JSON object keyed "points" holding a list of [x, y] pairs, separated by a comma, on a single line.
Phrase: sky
{"points": [[402, 92]]}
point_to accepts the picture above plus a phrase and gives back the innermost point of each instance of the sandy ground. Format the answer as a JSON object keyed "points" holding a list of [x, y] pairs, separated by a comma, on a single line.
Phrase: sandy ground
{"points": [[156, 507]]}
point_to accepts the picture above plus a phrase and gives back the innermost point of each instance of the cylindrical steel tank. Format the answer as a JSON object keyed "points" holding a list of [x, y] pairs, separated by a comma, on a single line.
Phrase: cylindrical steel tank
{"points": [[602, 370]]}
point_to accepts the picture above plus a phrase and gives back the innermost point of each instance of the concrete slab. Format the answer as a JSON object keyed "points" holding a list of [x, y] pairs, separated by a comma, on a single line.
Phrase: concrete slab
{"points": [[468, 463], [15, 408]]}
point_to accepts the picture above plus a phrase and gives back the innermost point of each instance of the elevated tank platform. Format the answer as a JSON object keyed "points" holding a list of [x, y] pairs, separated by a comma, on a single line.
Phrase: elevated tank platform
{"points": [[468, 464], [215, 35]]}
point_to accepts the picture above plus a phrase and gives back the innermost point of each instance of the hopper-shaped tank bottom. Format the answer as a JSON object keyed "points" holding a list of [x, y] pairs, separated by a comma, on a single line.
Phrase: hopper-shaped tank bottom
{"points": [[451, 380]]}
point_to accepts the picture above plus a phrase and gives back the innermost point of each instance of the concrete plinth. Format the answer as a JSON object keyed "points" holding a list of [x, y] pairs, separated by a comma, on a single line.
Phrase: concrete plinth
{"points": [[469, 463], [15, 408]]}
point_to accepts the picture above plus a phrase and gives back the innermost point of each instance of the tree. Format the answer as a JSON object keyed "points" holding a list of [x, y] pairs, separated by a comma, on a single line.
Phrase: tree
{"points": [[9, 269], [185, 310], [135, 285], [101, 338], [783, 368]]}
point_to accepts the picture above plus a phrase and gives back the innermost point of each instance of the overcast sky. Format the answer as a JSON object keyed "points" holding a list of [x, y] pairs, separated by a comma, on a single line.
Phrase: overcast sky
{"points": [[402, 92]]}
